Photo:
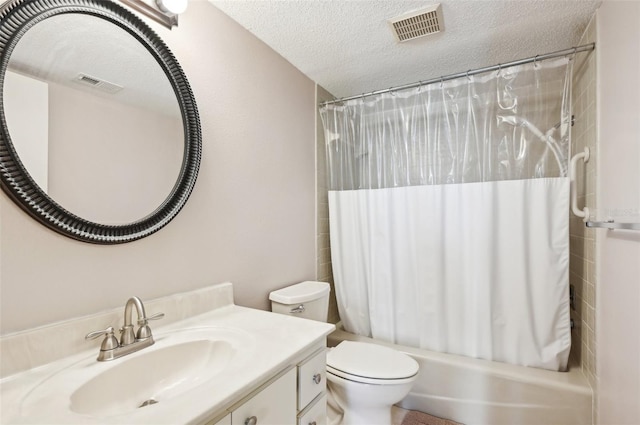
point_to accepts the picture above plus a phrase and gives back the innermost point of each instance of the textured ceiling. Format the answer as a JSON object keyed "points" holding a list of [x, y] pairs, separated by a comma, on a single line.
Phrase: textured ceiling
{"points": [[348, 48]]}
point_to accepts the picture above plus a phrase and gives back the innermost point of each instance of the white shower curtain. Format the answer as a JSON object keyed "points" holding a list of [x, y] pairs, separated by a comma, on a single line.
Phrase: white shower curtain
{"points": [[449, 214]]}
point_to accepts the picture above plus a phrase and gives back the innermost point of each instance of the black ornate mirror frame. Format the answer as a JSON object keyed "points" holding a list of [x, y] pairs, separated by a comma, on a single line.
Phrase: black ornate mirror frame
{"points": [[17, 17]]}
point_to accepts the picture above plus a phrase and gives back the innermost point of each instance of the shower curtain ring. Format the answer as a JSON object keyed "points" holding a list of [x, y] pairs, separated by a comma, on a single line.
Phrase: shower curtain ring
{"points": [[499, 68], [468, 78], [535, 59], [441, 82]]}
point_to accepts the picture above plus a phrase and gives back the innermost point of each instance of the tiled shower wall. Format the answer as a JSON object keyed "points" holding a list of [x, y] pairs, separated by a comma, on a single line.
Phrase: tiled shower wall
{"points": [[582, 239], [324, 271]]}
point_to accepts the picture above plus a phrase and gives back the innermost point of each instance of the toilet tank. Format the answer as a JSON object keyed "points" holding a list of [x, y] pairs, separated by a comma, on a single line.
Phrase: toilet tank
{"points": [[309, 300]]}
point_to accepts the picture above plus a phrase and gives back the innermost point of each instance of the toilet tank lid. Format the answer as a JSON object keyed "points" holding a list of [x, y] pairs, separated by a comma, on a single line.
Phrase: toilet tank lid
{"points": [[300, 292], [371, 361]]}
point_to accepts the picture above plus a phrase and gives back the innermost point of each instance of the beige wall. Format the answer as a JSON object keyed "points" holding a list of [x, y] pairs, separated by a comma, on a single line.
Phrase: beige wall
{"points": [[617, 363], [250, 219], [26, 112], [122, 136]]}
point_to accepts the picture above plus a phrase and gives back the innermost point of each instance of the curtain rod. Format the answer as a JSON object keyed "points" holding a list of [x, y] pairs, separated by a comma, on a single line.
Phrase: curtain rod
{"points": [[574, 50]]}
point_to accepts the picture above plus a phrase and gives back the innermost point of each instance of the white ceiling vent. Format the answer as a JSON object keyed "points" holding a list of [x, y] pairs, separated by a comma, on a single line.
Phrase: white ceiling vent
{"points": [[97, 83], [418, 23]]}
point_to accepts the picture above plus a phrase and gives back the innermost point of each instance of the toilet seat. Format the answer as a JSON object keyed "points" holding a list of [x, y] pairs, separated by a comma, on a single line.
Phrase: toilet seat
{"points": [[370, 364], [363, 380]]}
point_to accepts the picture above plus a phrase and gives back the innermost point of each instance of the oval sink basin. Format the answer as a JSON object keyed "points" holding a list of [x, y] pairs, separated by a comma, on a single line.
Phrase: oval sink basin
{"points": [[178, 362], [151, 377]]}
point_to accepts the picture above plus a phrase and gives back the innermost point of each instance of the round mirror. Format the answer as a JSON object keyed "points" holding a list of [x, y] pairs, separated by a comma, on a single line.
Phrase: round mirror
{"points": [[100, 137]]}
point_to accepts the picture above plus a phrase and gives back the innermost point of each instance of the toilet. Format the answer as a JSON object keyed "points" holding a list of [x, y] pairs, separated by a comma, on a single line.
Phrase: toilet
{"points": [[364, 380]]}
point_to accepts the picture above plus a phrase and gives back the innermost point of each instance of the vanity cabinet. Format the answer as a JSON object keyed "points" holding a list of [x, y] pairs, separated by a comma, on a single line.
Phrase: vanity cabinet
{"points": [[296, 396]]}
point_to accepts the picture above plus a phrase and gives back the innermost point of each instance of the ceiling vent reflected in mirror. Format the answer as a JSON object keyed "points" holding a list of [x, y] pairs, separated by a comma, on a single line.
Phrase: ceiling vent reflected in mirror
{"points": [[418, 23], [97, 83]]}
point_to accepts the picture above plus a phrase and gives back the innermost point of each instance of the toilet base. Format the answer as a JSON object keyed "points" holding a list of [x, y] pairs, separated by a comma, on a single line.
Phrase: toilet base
{"points": [[334, 412], [336, 416], [350, 403], [380, 416]]}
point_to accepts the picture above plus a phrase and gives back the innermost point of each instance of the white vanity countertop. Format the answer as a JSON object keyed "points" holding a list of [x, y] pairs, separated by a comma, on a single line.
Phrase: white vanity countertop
{"points": [[273, 342]]}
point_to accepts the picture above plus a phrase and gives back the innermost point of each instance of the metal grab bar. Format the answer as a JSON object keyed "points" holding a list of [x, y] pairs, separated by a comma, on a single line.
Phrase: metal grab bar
{"points": [[584, 213], [613, 225]]}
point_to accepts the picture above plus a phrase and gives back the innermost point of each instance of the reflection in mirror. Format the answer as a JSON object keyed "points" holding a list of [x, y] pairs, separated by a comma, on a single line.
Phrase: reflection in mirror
{"points": [[94, 118]]}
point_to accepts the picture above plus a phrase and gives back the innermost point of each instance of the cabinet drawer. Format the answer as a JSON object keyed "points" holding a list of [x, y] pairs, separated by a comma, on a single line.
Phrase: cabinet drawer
{"points": [[274, 405], [311, 378], [315, 414]]}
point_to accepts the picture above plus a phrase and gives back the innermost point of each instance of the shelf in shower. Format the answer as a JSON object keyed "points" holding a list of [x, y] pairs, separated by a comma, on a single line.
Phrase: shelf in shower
{"points": [[613, 225]]}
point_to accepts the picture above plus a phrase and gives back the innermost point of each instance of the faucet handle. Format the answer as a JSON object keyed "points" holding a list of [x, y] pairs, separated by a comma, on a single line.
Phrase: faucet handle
{"points": [[95, 334], [110, 341], [144, 331], [143, 320]]}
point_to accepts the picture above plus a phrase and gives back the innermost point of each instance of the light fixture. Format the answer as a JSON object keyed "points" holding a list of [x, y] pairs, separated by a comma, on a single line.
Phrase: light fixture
{"points": [[164, 12], [172, 6]]}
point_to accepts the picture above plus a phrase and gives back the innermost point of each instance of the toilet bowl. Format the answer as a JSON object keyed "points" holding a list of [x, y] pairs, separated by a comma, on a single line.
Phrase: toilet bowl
{"points": [[365, 380]]}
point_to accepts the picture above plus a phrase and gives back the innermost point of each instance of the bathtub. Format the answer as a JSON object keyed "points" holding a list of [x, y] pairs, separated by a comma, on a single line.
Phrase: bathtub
{"points": [[481, 392]]}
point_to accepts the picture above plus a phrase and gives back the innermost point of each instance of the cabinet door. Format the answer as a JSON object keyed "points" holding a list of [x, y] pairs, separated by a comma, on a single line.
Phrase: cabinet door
{"points": [[274, 405]]}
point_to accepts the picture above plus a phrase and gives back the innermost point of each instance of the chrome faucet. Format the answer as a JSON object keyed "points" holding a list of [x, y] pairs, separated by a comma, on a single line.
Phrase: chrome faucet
{"points": [[130, 342]]}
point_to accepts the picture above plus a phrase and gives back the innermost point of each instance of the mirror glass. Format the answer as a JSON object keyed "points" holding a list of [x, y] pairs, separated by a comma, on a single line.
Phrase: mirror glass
{"points": [[93, 118]]}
